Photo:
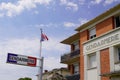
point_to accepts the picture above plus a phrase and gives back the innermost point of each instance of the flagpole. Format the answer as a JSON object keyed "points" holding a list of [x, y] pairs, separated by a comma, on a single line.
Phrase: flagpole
{"points": [[40, 43], [41, 60]]}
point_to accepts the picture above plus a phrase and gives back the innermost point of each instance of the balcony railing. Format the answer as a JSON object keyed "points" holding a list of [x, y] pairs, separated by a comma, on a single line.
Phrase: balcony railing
{"points": [[70, 56], [73, 77]]}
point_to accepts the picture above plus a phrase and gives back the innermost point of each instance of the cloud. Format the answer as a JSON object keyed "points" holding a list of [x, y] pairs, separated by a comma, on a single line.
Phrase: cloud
{"points": [[96, 1], [69, 24], [13, 9], [36, 12], [56, 25], [104, 2], [1, 14], [29, 47], [81, 2], [66, 24], [20, 46], [54, 43], [47, 25], [69, 5], [82, 20], [53, 63]]}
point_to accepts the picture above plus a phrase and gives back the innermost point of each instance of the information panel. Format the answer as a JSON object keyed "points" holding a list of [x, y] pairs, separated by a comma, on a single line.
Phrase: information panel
{"points": [[21, 60]]}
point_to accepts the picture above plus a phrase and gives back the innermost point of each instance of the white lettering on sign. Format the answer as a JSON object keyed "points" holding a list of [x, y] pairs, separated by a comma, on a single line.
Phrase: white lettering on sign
{"points": [[106, 40], [17, 58], [103, 42]]}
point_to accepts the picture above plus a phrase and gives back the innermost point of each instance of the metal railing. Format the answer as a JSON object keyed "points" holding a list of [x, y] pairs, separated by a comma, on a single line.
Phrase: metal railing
{"points": [[70, 55], [73, 77]]}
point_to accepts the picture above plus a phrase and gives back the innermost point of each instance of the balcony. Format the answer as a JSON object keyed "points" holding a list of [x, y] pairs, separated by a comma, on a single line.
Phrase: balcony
{"points": [[73, 77], [70, 57]]}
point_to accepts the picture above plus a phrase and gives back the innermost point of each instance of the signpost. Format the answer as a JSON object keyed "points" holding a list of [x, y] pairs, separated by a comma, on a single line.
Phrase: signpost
{"points": [[27, 60], [21, 60]]}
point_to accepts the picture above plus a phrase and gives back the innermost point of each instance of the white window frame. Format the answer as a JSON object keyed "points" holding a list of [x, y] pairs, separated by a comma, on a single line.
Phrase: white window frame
{"points": [[90, 58], [115, 21], [92, 33], [117, 54]]}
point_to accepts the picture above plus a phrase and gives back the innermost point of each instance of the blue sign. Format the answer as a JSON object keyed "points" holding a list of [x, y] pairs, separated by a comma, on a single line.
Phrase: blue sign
{"points": [[10, 58], [21, 60]]}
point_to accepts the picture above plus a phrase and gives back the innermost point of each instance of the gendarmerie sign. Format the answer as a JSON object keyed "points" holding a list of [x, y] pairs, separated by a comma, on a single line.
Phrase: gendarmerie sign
{"points": [[103, 41], [21, 60]]}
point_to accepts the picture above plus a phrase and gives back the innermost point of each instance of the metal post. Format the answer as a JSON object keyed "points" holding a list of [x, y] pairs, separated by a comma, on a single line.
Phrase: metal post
{"points": [[40, 61], [40, 69]]}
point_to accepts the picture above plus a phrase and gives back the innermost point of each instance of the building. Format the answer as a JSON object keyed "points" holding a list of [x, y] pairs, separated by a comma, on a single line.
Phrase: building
{"points": [[56, 74], [95, 48], [72, 58]]}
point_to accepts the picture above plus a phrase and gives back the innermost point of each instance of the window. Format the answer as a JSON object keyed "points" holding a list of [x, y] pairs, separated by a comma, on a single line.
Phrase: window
{"points": [[76, 45], [92, 33], [117, 21], [92, 60], [117, 55], [76, 68]]}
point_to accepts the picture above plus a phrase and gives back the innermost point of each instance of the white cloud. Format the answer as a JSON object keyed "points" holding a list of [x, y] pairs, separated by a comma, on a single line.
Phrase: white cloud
{"points": [[81, 2], [106, 2], [12, 9], [1, 14], [96, 1], [53, 63], [29, 47], [47, 25], [54, 43], [82, 20], [36, 12], [45, 2], [69, 5], [69, 24], [63, 1], [20, 46]]}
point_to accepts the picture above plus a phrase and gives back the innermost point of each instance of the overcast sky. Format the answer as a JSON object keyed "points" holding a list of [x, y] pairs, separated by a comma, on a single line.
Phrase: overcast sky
{"points": [[20, 23]]}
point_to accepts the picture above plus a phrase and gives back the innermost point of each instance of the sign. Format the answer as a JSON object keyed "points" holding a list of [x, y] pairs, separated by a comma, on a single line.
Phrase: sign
{"points": [[21, 60], [110, 39], [104, 41]]}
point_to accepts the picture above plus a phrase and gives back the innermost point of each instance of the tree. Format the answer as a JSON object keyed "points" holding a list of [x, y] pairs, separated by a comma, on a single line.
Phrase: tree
{"points": [[26, 78]]}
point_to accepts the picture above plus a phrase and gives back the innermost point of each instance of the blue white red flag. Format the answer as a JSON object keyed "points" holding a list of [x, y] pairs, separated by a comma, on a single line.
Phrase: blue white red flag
{"points": [[43, 37]]}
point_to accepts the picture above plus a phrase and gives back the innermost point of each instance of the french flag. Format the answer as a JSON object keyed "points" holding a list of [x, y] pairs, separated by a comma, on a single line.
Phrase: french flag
{"points": [[43, 37]]}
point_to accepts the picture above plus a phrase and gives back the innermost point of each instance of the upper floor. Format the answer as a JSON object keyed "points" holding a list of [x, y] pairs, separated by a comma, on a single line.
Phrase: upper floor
{"points": [[72, 55], [100, 25], [96, 27], [100, 28]]}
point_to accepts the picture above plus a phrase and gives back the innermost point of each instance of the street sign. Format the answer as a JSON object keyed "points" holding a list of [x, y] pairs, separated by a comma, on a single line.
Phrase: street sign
{"points": [[21, 60]]}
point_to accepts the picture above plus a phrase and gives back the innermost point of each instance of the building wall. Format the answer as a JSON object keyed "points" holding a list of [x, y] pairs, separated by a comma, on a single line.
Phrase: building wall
{"points": [[105, 29], [105, 26], [105, 51], [105, 62], [101, 28], [72, 47], [104, 59], [71, 69], [83, 38]]}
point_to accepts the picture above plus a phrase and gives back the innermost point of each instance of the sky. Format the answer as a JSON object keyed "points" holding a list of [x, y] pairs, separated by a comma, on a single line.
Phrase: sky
{"points": [[20, 23]]}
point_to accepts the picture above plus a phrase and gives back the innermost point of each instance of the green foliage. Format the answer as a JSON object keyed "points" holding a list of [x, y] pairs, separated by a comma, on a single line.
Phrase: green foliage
{"points": [[26, 78]]}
